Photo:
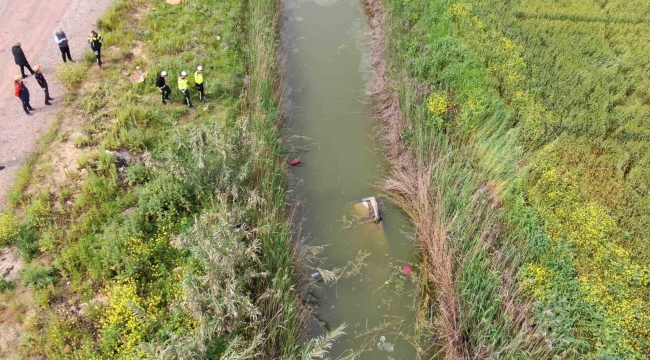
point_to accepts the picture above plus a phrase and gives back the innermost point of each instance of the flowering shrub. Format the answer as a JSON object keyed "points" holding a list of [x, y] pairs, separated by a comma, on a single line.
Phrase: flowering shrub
{"points": [[537, 280], [460, 10], [138, 303], [126, 320], [9, 228], [607, 274], [438, 103]]}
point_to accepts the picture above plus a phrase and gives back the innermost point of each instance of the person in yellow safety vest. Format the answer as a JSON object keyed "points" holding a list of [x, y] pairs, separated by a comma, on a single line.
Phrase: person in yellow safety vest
{"points": [[198, 82], [183, 84], [95, 41]]}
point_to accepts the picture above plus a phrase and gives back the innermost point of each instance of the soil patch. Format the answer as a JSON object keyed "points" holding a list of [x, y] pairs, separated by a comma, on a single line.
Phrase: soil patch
{"points": [[10, 264]]}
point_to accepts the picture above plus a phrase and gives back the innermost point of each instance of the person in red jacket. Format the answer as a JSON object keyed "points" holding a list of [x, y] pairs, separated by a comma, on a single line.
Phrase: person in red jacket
{"points": [[21, 91], [42, 83]]}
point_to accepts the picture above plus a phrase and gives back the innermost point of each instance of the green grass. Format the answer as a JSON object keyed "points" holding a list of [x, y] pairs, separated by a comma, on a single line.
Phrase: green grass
{"points": [[546, 109], [186, 252], [6, 286], [71, 75], [36, 276]]}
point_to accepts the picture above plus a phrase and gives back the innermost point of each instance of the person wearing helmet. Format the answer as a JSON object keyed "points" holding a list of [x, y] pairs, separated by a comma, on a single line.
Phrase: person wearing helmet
{"points": [[161, 84], [182, 86], [43, 83], [95, 41], [21, 92], [21, 60], [198, 82]]}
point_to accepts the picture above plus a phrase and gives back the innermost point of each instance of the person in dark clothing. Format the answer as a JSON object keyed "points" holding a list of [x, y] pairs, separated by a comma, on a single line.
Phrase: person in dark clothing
{"points": [[43, 83], [20, 90], [21, 60], [62, 39], [165, 90], [95, 40]]}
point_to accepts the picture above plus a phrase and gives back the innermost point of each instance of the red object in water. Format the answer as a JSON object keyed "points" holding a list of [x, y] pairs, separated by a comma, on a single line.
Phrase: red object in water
{"points": [[294, 162], [407, 270]]}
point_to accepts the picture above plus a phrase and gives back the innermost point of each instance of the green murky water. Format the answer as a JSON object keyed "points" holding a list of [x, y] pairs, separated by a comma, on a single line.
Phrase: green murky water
{"points": [[326, 76]]}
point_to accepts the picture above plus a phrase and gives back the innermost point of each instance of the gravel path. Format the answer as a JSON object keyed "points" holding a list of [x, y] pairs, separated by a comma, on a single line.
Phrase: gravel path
{"points": [[33, 23]]}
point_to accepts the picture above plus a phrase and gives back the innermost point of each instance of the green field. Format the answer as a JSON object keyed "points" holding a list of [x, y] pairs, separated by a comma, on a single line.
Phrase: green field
{"points": [[547, 102]]}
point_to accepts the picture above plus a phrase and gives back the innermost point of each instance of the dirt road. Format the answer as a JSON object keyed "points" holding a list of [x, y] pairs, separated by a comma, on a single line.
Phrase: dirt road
{"points": [[33, 23]]}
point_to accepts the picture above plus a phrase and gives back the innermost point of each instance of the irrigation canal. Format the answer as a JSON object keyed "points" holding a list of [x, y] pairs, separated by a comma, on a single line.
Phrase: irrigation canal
{"points": [[327, 74]]}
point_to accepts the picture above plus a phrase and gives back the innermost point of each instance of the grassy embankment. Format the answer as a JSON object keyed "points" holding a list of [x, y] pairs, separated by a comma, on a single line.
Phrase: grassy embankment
{"points": [[525, 168], [185, 250]]}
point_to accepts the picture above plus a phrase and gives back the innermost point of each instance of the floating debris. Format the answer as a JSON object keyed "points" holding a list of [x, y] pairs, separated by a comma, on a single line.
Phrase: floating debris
{"points": [[294, 162], [383, 345], [372, 208], [407, 270]]}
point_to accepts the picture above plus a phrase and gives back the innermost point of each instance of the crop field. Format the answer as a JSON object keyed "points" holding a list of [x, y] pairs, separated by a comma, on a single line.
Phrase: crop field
{"points": [[549, 103]]}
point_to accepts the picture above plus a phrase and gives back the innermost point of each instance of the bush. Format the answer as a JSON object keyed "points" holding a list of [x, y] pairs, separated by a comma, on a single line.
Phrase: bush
{"points": [[71, 74], [9, 227], [6, 286], [36, 276], [27, 241], [81, 141], [39, 210], [83, 161], [137, 174]]}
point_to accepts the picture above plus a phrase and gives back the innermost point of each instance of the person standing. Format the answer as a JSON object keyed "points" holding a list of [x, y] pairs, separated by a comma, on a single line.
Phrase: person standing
{"points": [[183, 87], [161, 84], [21, 91], [95, 40], [198, 82], [62, 39], [21, 60], [43, 83]]}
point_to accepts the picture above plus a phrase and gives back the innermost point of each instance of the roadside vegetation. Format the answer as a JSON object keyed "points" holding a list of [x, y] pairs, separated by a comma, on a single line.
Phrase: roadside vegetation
{"points": [[518, 131], [162, 232]]}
